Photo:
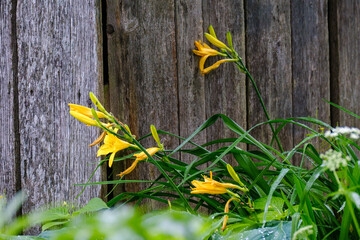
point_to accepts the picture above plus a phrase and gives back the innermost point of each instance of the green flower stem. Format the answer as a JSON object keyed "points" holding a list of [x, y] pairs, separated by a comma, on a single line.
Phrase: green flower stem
{"points": [[235, 196], [338, 180], [242, 67], [152, 160]]}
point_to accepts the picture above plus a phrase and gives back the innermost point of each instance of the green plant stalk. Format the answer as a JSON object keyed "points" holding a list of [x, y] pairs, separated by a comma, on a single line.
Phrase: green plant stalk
{"points": [[348, 201], [242, 67], [152, 160]]}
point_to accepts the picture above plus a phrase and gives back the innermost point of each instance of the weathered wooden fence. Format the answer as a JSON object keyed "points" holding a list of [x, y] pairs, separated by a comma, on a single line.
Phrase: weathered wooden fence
{"points": [[136, 55]]}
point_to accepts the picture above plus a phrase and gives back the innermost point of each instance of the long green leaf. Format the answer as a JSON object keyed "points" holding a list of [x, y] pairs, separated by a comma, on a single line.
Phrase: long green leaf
{"points": [[343, 109], [282, 174]]}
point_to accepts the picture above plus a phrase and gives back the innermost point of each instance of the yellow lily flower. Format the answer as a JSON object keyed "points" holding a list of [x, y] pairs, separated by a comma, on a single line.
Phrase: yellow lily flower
{"points": [[215, 65], [226, 210], [112, 145], [204, 51], [211, 186], [139, 157], [85, 110]]}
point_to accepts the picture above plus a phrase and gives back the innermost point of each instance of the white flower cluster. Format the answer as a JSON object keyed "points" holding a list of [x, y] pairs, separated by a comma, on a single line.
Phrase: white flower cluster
{"points": [[334, 159], [354, 133]]}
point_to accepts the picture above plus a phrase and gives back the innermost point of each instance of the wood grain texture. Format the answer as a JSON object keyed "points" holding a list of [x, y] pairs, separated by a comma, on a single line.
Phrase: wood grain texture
{"points": [[268, 43], [154, 77], [225, 87], [101, 55], [57, 65], [7, 138], [348, 34], [143, 72], [191, 90], [310, 62]]}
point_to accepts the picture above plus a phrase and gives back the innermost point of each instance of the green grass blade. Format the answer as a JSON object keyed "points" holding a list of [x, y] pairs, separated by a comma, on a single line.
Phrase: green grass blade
{"points": [[310, 183], [91, 176], [343, 109], [282, 174], [206, 124]]}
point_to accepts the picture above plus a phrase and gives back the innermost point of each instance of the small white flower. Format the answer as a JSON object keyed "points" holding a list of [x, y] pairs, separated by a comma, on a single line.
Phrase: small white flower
{"points": [[355, 130], [343, 130], [354, 136], [353, 133], [327, 134], [334, 159], [334, 134]]}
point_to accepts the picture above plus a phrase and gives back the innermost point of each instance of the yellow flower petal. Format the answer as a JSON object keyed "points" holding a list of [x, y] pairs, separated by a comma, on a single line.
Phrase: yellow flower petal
{"points": [[202, 62], [111, 159], [142, 155], [206, 46], [205, 50], [112, 145], [198, 53], [99, 139], [120, 144], [207, 191], [226, 217], [83, 118], [226, 210], [129, 169], [105, 150], [139, 157], [85, 110], [215, 65]]}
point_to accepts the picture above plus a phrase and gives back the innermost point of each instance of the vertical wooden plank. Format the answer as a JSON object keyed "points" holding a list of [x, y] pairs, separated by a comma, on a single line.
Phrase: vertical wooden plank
{"points": [[57, 65], [100, 20], [87, 74], [189, 26], [346, 56], [310, 62], [226, 87], [268, 43], [116, 87], [7, 137], [143, 72]]}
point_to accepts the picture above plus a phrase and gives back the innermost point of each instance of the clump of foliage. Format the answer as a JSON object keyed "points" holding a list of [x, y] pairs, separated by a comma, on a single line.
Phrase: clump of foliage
{"points": [[97, 221], [320, 201], [264, 195]]}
